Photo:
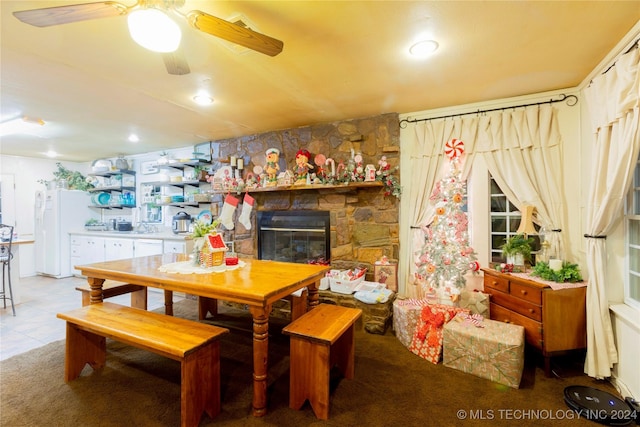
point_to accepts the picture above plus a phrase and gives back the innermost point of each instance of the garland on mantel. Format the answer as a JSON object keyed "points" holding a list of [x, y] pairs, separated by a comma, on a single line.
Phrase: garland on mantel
{"points": [[346, 175]]}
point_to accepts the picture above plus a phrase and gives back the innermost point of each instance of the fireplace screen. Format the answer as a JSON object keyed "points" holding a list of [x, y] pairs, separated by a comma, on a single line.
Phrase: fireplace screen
{"points": [[294, 236]]}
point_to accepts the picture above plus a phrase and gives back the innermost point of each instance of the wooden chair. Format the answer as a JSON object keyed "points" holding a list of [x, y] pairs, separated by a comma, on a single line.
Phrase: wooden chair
{"points": [[6, 255]]}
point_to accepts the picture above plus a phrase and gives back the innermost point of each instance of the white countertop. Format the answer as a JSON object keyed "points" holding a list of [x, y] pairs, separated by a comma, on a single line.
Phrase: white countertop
{"points": [[162, 235]]}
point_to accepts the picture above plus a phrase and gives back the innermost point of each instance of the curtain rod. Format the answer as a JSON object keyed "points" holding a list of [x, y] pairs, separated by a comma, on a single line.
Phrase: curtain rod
{"points": [[571, 101], [635, 45]]}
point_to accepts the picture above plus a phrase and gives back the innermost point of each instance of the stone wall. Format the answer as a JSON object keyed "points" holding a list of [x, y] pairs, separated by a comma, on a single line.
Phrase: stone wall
{"points": [[364, 223]]}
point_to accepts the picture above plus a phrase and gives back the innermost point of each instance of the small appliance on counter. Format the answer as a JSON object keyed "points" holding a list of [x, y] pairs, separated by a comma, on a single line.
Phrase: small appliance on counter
{"points": [[181, 222], [124, 226]]}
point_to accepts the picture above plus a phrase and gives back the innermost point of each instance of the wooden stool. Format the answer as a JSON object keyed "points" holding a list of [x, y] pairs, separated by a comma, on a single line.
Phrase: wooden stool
{"points": [[320, 339]]}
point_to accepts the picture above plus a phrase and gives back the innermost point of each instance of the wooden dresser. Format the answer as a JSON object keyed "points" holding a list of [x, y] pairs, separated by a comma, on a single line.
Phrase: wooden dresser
{"points": [[554, 320]]}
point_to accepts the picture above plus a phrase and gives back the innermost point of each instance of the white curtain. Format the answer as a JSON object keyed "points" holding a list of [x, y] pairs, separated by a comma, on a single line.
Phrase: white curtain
{"points": [[523, 152], [612, 99], [522, 148]]}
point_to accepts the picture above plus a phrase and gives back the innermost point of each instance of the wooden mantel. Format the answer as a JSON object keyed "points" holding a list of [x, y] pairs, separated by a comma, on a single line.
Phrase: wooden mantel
{"points": [[339, 187]]}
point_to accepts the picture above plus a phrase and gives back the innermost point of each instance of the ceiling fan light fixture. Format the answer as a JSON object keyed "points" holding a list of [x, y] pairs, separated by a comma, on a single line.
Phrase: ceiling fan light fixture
{"points": [[423, 48], [154, 30]]}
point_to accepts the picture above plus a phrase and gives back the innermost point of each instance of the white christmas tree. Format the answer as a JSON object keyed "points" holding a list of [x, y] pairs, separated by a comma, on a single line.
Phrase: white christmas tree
{"points": [[446, 255]]}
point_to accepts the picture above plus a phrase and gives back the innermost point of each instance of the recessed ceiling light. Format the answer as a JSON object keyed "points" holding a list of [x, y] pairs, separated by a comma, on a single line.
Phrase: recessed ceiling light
{"points": [[52, 154], [423, 48], [133, 138], [203, 99]]}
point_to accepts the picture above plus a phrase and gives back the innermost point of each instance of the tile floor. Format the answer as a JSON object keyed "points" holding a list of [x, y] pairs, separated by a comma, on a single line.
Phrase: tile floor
{"points": [[36, 324]]}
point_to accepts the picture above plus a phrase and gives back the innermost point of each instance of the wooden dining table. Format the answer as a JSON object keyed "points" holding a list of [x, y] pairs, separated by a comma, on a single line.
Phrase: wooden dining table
{"points": [[256, 283]]}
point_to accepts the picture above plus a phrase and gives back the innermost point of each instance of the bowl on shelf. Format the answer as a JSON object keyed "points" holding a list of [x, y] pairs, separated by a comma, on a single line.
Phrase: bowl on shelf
{"points": [[103, 199], [177, 199]]}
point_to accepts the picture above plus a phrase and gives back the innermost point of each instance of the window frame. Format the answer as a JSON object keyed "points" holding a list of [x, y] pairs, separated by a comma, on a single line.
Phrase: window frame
{"points": [[632, 243], [512, 216]]}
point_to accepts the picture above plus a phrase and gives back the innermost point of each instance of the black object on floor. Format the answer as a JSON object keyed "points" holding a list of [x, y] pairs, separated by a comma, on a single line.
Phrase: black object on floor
{"points": [[599, 406]]}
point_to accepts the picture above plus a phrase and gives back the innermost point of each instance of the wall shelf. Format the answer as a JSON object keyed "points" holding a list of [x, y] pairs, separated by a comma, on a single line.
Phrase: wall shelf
{"points": [[118, 188], [340, 187]]}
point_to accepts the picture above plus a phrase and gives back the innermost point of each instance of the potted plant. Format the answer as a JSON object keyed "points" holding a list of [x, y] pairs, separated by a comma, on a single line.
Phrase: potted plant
{"points": [[200, 173], [517, 249]]}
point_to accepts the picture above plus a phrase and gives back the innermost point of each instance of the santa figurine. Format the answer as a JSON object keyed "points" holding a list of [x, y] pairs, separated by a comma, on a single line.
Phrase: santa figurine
{"points": [[272, 167], [302, 167]]}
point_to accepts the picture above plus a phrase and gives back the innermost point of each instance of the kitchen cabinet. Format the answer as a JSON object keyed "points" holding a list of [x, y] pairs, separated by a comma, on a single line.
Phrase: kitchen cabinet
{"points": [[146, 247], [91, 249], [554, 321], [86, 250], [175, 247], [115, 248], [119, 184]]}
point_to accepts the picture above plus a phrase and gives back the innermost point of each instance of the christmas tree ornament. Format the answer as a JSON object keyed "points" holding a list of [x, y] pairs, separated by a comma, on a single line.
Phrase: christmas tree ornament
{"points": [[454, 148]]}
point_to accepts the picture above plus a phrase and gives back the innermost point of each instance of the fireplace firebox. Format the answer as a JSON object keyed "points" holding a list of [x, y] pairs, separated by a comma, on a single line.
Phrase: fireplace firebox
{"points": [[294, 236]]}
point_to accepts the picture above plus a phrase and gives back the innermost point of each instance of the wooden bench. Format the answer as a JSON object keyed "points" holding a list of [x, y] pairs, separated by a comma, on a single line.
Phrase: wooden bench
{"points": [[320, 339], [195, 345]]}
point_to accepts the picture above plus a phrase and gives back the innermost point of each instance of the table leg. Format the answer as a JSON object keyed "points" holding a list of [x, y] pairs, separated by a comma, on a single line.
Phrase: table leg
{"points": [[95, 295], [260, 358], [313, 297], [168, 303]]}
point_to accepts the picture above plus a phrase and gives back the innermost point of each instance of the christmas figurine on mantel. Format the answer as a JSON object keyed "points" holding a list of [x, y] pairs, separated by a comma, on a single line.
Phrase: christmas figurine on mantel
{"points": [[446, 255]]}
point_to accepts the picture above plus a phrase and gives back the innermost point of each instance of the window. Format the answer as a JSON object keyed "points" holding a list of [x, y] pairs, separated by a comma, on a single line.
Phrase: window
{"points": [[632, 286], [505, 220]]}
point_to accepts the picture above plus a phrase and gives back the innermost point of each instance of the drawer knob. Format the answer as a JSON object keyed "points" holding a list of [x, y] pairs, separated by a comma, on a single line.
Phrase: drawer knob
{"points": [[531, 310], [523, 292], [494, 283]]}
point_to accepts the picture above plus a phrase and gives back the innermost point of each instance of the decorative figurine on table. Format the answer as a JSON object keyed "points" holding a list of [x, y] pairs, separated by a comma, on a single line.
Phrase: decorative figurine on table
{"points": [[272, 167], [303, 166]]}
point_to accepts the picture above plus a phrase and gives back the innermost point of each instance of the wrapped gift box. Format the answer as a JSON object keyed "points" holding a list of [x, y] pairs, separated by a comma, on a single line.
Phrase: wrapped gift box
{"points": [[427, 337], [476, 301], [485, 348], [406, 313]]}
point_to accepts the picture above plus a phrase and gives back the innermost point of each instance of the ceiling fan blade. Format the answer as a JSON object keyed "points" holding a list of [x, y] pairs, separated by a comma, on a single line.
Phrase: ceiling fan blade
{"points": [[234, 33], [48, 16], [176, 63]]}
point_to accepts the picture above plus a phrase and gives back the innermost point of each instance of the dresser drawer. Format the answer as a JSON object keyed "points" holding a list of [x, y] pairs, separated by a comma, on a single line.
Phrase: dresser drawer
{"points": [[527, 293], [525, 308], [532, 329], [497, 283]]}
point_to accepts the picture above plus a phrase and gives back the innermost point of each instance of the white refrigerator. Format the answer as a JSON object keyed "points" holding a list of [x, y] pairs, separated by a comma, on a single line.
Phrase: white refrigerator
{"points": [[57, 213]]}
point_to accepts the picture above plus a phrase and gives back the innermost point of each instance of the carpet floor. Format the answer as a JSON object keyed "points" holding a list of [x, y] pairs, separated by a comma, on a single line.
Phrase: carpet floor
{"points": [[392, 387]]}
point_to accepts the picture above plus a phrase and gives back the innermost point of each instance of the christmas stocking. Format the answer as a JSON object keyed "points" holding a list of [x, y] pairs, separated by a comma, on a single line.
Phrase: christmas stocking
{"points": [[247, 207], [228, 208]]}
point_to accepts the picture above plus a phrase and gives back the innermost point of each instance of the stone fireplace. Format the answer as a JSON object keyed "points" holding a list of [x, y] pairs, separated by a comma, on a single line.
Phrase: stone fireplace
{"points": [[363, 221]]}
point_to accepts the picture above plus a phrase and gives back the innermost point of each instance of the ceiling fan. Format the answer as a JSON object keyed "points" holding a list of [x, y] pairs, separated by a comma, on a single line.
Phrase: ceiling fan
{"points": [[174, 60]]}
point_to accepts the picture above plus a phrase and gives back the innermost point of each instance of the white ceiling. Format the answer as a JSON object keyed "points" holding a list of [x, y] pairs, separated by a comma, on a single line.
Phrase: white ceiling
{"points": [[93, 85]]}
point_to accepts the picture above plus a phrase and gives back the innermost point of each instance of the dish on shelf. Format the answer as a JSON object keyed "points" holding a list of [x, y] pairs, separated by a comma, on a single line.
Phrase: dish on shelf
{"points": [[205, 216], [103, 199]]}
